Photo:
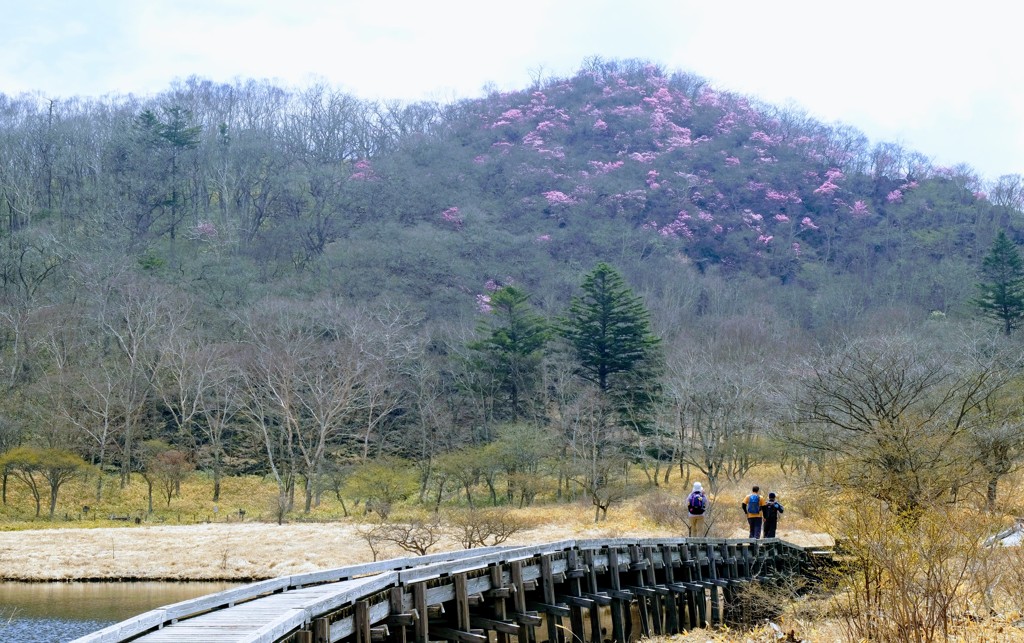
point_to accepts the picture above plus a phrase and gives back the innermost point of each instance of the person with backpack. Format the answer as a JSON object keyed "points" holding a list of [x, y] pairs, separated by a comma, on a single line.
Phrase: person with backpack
{"points": [[696, 507], [771, 512], [752, 505]]}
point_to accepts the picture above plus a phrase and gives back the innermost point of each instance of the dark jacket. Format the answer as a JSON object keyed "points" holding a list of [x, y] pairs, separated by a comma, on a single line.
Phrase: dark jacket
{"points": [[771, 511]]}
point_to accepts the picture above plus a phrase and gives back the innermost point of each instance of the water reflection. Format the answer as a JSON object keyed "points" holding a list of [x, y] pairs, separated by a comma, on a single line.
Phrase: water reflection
{"points": [[56, 612]]}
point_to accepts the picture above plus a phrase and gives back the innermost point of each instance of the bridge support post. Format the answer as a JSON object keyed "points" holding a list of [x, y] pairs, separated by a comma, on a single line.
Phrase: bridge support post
{"points": [[619, 597], [321, 630], [573, 574], [715, 615], [499, 593], [419, 598], [593, 594], [361, 622], [526, 633], [636, 567], [399, 633]]}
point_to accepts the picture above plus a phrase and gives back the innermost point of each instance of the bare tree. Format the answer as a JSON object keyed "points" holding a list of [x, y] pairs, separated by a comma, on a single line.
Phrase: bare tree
{"points": [[894, 415]]}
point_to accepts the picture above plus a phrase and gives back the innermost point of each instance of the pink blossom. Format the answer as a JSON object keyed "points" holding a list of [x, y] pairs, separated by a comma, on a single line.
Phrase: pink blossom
{"points": [[652, 179], [542, 238], [600, 125], [981, 196], [726, 124], [678, 228], [761, 137], [480, 159], [796, 248], [781, 218], [704, 216], [483, 303], [859, 208], [451, 215], [491, 285], [732, 160], [363, 171], [206, 229], [765, 238], [775, 195], [896, 196], [643, 157], [827, 188], [555, 197], [533, 140], [604, 168], [513, 114], [808, 224], [834, 174]]}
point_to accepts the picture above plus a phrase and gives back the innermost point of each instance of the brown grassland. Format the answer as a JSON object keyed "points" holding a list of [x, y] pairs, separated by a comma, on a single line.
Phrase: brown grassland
{"points": [[191, 538]]}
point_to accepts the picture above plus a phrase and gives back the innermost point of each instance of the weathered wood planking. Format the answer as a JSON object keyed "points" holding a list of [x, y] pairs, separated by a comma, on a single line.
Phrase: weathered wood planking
{"points": [[269, 618]]}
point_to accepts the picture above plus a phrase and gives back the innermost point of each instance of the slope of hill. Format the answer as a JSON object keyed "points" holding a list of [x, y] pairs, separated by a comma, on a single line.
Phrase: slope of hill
{"points": [[232, 191], [670, 178]]}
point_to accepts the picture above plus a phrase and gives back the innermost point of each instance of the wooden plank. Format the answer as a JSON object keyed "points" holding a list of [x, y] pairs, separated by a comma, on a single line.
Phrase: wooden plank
{"points": [[452, 634], [503, 627]]}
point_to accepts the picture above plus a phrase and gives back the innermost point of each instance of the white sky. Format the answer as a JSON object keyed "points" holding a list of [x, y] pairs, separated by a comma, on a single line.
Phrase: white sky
{"points": [[942, 78]]}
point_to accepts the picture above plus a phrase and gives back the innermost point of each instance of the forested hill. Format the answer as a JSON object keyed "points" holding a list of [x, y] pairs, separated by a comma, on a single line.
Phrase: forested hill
{"points": [[231, 193], [251, 279]]}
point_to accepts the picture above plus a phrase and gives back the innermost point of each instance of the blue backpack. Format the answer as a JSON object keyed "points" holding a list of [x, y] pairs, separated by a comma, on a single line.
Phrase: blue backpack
{"points": [[754, 504]]}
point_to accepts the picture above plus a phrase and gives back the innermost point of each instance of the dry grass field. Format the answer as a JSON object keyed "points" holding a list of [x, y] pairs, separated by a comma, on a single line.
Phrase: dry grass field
{"points": [[194, 539]]}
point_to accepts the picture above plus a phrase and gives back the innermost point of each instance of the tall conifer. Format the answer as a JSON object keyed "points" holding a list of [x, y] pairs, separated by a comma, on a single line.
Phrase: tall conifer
{"points": [[1002, 288]]}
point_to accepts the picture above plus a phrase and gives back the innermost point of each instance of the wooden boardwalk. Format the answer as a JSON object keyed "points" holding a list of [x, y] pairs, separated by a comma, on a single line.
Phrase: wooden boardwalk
{"points": [[595, 591]]}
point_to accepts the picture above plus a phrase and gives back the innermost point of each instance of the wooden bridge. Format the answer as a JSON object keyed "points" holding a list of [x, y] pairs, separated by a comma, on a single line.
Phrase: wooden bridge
{"points": [[557, 592]]}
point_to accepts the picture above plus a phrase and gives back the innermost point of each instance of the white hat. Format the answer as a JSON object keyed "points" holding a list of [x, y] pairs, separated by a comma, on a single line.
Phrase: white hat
{"points": [[697, 487]]}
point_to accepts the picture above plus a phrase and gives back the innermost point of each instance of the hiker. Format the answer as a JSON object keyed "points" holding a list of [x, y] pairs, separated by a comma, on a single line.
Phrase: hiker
{"points": [[771, 513], [751, 505], [696, 505]]}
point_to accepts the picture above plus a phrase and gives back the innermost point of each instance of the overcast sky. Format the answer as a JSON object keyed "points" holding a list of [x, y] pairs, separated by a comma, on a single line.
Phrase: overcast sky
{"points": [[942, 78]]}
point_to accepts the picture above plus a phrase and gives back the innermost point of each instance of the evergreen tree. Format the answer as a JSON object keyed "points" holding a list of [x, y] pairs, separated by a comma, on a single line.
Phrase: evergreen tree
{"points": [[1002, 288], [609, 330], [511, 346]]}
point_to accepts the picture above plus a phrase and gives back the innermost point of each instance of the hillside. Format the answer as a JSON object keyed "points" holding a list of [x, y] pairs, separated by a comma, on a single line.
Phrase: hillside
{"points": [[290, 282], [232, 192]]}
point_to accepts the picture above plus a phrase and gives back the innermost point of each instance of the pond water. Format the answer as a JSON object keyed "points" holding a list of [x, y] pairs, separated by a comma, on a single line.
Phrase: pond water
{"points": [[58, 612]]}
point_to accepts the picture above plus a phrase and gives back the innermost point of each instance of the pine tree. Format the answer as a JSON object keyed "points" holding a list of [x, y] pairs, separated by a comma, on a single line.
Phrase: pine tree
{"points": [[1002, 288], [609, 330], [512, 344]]}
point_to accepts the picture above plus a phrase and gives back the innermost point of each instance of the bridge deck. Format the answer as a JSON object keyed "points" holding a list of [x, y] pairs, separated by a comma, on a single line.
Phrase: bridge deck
{"points": [[261, 619]]}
